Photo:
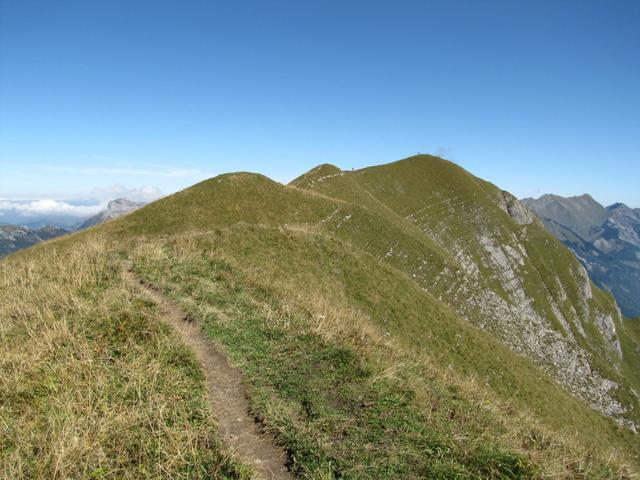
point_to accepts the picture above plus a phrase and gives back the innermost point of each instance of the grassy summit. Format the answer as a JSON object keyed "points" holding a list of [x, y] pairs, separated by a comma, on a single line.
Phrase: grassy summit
{"points": [[399, 321], [510, 278]]}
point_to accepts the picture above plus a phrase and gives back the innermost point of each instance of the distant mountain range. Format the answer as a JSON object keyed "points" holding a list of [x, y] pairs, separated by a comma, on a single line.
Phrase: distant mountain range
{"points": [[14, 237], [605, 239]]}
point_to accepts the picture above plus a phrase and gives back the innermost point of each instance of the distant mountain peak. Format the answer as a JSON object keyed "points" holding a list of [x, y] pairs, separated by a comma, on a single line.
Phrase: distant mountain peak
{"points": [[123, 205], [606, 239], [550, 197], [618, 206], [115, 208]]}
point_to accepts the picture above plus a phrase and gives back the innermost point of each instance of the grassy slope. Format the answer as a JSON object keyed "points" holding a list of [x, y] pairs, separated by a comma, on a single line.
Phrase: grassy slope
{"points": [[339, 384], [92, 384], [631, 343], [351, 366], [528, 388], [328, 405], [441, 199], [226, 199]]}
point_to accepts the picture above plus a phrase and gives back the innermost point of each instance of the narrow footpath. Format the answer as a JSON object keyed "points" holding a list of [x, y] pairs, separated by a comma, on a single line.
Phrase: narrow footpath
{"points": [[225, 392]]}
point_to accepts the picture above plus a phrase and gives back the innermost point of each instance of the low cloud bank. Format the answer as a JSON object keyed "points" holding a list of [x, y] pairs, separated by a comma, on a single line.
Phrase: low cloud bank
{"points": [[25, 211], [48, 206]]}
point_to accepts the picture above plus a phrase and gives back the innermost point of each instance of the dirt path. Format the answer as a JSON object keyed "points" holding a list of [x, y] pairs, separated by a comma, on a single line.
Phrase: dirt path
{"points": [[225, 391]]}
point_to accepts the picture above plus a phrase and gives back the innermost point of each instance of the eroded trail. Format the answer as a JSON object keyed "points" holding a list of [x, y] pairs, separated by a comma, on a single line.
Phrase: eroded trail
{"points": [[225, 391]]}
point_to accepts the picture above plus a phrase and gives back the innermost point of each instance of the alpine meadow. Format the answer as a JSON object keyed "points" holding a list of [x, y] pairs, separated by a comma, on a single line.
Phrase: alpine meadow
{"points": [[407, 320]]}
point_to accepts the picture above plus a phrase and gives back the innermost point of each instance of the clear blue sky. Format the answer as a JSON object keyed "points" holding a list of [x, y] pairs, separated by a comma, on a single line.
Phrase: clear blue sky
{"points": [[537, 96]]}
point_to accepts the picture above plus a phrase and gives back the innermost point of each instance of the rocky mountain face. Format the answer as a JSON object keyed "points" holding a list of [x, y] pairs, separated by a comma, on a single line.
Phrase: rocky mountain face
{"points": [[14, 238], [605, 239], [115, 208]]}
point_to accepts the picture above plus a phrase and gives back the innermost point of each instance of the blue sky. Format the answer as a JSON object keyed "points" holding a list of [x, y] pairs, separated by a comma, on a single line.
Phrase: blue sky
{"points": [[103, 98]]}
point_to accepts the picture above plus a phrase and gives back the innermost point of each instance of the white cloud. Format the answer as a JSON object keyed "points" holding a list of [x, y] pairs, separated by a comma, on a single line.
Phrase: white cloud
{"points": [[49, 206], [79, 207], [146, 193]]}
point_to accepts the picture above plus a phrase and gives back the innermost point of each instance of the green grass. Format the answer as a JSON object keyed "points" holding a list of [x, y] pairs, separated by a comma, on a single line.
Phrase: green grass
{"points": [[335, 414], [466, 389], [227, 199], [630, 346], [425, 194]]}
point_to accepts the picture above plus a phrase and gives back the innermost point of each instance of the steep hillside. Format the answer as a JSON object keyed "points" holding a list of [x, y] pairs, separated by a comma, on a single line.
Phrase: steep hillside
{"points": [[606, 240], [502, 271], [403, 321]]}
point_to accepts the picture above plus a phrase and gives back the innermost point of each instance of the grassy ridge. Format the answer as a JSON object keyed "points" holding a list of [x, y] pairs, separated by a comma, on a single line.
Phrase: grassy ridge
{"points": [[226, 199], [524, 387]]}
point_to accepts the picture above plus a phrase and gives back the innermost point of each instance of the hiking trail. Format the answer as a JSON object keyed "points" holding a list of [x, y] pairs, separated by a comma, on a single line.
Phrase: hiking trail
{"points": [[225, 392]]}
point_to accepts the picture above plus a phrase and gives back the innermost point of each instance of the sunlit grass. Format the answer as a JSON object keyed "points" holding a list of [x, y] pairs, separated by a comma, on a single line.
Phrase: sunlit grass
{"points": [[92, 383]]}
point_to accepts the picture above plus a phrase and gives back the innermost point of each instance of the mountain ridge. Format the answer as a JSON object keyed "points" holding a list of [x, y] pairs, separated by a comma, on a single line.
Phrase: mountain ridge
{"points": [[565, 329], [14, 238], [410, 316], [470, 193]]}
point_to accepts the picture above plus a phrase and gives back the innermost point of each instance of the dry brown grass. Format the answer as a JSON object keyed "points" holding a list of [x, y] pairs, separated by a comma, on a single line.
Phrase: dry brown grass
{"points": [[92, 385]]}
